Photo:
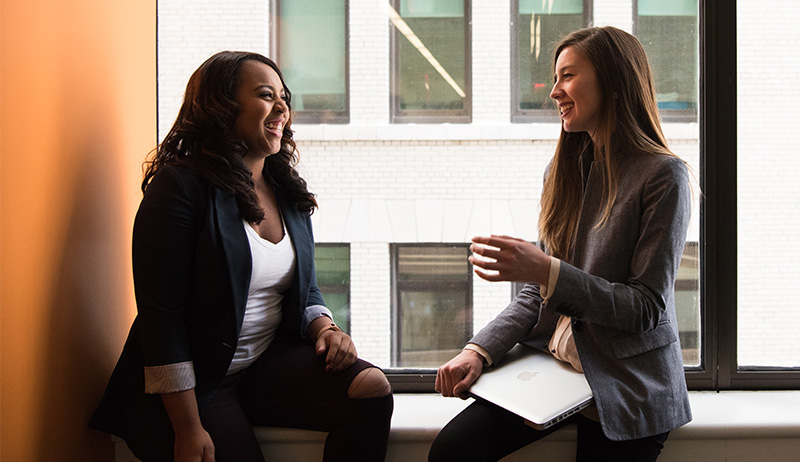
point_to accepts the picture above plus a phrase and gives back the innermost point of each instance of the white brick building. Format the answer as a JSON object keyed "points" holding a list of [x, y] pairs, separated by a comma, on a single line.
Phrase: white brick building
{"points": [[380, 183]]}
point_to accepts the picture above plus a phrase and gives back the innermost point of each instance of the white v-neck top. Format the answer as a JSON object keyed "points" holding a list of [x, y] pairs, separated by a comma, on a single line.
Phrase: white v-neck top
{"points": [[272, 275]]}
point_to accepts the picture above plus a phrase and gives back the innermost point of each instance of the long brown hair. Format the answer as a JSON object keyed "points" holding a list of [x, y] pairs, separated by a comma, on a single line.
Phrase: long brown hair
{"points": [[628, 122], [202, 138]]}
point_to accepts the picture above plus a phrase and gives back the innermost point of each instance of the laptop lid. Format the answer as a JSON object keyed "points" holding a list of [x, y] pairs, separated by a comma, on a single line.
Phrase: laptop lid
{"points": [[534, 385]]}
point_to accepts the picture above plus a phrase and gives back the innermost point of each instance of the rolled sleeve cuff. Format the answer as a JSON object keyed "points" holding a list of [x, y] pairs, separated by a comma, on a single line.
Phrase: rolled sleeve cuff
{"points": [[169, 378], [552, 280], [312, 313], [481, 351]]}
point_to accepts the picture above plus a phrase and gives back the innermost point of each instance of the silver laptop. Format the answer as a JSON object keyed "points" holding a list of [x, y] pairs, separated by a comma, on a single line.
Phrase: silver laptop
{"points": [[534, 385]]}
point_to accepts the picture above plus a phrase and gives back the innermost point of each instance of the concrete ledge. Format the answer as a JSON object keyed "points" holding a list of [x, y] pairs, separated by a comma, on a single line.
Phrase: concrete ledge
{"points": [[478, 131], [740, 426]]}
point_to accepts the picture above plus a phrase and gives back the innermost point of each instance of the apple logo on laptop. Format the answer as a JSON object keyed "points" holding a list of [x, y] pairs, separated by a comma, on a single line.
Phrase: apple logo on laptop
{"points": [[525, 376]]}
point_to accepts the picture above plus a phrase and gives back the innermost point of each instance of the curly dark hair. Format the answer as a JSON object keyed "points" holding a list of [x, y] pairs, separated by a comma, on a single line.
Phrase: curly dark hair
{"points": [[202, 138]]}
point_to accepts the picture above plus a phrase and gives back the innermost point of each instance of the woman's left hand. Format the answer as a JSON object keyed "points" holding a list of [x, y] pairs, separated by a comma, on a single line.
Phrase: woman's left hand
{"points": [[509, 259], [338, 348]]}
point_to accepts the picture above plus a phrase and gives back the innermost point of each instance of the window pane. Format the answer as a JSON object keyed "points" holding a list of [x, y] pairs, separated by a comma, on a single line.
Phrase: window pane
{"points": [[314, 64], [431, 61], [433, 304], [383, 186], [333, 277], [687, 304], [540, 25], [668, 31], [768, 192]]}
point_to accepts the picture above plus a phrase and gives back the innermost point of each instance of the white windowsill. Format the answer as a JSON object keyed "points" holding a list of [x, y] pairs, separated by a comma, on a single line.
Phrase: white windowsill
{"points": [[734, 426], [455, 132], [728, 414]]}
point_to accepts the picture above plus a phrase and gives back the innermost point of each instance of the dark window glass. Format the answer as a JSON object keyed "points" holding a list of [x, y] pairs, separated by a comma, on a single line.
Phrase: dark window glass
{"points": [[669, 33], [314, 64], [430, 61], [433, 303], [540, 26], [333, 277]]}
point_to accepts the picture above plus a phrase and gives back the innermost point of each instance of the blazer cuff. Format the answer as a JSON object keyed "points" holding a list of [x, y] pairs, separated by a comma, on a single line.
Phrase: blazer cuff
{"points": [[546, 291], [487, 358], [169, 378], [312, 313]]}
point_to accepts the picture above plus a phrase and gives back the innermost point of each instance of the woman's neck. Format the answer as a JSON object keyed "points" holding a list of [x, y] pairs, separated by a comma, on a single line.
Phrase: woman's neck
{"points": [[256, 167]]}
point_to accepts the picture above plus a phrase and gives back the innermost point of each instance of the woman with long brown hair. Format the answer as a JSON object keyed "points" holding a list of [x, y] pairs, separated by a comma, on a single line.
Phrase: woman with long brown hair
{"points": [[600, 285]]}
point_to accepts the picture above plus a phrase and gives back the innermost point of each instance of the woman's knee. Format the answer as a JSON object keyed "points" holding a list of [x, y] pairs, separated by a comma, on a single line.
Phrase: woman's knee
{"points": [[369, 383]]}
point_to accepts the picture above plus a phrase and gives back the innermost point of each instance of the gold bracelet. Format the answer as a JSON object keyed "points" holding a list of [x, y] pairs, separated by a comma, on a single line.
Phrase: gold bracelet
{"points": [[331, 326]]}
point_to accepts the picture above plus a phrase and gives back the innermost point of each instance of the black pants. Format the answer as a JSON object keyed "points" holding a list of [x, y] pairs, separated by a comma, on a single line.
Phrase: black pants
{"points": [[485, 432], [289, 387]]}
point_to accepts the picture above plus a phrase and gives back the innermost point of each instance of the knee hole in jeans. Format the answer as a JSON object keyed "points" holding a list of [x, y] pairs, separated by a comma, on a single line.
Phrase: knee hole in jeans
{"points": [[369, 383]]}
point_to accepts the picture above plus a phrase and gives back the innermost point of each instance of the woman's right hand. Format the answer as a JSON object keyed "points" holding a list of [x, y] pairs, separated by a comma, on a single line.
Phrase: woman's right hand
{"points": [[194, 445], [192, 441], [458, 374]]}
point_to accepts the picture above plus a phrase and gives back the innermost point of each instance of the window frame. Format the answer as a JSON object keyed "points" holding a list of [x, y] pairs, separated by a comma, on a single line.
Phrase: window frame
{"points": [[718, 233], [322, 287], [314, 117], [717, 118], [525, 116], [404, 375], [432, 116]]}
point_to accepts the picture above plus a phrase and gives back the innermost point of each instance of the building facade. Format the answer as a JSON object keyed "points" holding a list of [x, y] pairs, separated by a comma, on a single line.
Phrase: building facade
{"points": [[421, 125]]}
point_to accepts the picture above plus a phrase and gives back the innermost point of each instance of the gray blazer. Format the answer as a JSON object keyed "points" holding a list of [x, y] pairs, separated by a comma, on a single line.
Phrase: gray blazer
{"points": [[618, 288]]}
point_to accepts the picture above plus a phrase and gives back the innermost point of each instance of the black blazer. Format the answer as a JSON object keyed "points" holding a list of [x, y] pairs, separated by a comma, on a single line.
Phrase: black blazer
{"points": [[191, 270]]}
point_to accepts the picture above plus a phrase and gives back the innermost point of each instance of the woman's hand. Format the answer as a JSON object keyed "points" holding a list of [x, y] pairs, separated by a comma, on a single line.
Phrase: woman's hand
{"points": [[458, 374], [192, 442], [194, 446], [340, 349], [509, 259]]}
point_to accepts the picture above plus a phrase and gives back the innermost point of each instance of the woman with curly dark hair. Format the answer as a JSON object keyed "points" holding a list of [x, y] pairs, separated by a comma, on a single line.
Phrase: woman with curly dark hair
{"points": [[232, 330]]}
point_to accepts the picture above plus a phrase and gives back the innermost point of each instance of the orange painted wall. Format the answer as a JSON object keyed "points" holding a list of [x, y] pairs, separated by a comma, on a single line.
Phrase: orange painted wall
{"points": [[77, 117]]}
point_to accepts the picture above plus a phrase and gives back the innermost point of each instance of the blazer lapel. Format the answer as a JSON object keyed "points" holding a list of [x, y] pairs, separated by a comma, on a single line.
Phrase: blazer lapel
{"points": [[236, 249], [592, 197], [302, 241]]}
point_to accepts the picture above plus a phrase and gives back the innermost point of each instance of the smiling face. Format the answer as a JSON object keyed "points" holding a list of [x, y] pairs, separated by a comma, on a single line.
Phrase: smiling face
{"points": [[577, 92], [263, 110]]}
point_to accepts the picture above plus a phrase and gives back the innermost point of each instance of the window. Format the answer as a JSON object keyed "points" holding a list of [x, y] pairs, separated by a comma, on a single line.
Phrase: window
{"points": [[687, 304], [537, 29], [433, 303], [669, 33], [430, 61], [385, 187], [310, 44], [333, 277], [768, 193]]}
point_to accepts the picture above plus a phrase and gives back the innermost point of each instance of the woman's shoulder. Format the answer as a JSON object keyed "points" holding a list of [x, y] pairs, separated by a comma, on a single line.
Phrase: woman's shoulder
{"points": [[176, 176], [646, 164]]}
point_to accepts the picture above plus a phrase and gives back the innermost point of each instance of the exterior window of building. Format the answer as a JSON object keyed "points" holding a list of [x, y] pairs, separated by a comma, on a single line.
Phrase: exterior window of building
{"points": [[314, 64], [669, 33], [539, 26], [687, 304], [412, 306], [432, 303], [333, 277], [767, 247], [430, 61]]}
